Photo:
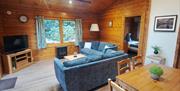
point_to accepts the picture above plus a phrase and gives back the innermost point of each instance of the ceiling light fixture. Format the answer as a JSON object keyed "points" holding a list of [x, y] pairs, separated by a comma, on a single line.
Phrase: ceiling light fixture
{"points": [[70, 1]]}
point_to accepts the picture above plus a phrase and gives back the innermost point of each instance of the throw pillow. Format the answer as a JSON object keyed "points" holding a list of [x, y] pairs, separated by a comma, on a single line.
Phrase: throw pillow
{"points": [[87, 45], [105, 48]]}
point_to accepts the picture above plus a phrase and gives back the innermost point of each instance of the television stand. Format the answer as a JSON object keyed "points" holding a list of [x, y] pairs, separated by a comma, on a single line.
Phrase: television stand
{"points": [[16, 61]]}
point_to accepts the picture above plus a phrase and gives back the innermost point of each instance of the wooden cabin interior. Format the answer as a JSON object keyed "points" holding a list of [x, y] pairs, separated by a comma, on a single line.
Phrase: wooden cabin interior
{"points": [[46, 45]]}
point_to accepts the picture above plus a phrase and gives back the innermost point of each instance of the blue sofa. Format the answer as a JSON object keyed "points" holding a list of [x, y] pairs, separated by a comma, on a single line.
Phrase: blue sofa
{"points": [[91, 71]]}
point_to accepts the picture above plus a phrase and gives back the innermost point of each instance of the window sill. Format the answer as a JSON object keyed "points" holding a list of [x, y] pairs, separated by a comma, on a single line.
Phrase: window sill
{"points": [[60, 44]]}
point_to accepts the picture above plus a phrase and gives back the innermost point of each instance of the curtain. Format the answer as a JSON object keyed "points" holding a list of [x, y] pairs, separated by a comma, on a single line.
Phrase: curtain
{"points": [[40, 33], [78, 25]]}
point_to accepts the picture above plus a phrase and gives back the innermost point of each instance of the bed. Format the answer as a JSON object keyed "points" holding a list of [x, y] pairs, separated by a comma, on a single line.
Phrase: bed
{"points": [[133, 45]]}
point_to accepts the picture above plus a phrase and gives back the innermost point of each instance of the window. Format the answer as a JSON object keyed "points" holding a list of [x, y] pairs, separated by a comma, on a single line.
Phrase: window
{"points": [[52, 31], [69, 31]]}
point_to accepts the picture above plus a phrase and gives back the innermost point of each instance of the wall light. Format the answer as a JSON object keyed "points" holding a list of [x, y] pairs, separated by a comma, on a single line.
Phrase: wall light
{"points": [[94, 27], [8, 12]]}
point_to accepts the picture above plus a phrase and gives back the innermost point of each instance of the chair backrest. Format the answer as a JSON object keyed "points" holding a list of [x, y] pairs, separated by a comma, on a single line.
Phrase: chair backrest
{"points": [[137, 61], [113, 86], [123, 66]]}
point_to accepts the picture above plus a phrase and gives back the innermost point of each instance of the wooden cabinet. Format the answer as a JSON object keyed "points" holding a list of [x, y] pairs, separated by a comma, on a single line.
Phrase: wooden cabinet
{"points": [[16, 61], [71, 49]]}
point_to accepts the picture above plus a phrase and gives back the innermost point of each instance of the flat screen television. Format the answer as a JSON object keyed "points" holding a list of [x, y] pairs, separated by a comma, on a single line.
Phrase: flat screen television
{"points": [[15, 43]]}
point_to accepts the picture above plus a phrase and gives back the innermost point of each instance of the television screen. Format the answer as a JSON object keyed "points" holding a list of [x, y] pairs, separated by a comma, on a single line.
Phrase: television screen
{"points": [[15, 43]]}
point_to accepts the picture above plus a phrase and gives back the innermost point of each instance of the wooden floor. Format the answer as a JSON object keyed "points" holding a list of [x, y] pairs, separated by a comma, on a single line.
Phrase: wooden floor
{"points": [[38, 77]]}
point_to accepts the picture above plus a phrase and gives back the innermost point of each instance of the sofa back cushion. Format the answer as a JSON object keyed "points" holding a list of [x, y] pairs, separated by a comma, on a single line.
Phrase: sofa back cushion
{"points": [[81, 45], [75, 62], [95, 45], [88, 51]]}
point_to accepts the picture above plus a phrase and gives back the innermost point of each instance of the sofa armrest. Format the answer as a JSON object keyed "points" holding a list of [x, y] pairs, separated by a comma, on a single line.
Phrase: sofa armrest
{"points": [[59, 72], [112, 48]]}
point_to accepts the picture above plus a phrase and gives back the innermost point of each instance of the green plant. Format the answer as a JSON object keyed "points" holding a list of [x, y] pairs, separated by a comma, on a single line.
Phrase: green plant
{"points": [[156, 48], [156, 70]]}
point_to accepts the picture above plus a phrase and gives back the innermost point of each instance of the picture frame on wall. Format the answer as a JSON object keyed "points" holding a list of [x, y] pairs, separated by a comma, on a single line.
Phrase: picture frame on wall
{"points": [[165, 23]]}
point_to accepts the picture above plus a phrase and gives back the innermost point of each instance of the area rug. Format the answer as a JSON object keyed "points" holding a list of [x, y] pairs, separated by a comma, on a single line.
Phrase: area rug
{"points": [[7, 83]]}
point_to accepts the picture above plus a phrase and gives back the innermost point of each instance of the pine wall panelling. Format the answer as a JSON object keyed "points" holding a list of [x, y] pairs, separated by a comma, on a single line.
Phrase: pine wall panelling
{"points": [[117, 13], [1, 32], [12, 26]]}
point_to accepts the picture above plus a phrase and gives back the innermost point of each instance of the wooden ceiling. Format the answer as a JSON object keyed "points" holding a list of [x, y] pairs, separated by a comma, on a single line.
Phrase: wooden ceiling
{"points": [[95, 6]]}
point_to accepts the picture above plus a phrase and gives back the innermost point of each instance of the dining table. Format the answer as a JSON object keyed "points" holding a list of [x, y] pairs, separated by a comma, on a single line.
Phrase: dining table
{"points": [[140, 79]]}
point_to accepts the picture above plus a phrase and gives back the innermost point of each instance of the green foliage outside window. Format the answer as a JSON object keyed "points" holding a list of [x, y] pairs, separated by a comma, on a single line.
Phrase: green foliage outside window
{"points": [[69, 31], [52, 31]]}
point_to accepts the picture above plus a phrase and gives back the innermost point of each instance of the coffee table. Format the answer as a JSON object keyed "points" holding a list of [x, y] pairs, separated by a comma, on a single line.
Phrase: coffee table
{"points": [[73, 57]]}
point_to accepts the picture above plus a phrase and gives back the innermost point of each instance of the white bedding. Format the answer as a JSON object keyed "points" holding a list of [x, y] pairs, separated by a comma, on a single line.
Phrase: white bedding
{"points": [[133, 42]]}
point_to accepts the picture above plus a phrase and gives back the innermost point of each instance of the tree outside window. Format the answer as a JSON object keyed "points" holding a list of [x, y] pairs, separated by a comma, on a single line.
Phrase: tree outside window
{"points": [[52, 31], [69, 31]]}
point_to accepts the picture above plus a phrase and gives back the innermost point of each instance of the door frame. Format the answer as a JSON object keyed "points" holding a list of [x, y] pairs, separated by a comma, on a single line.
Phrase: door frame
{"points": [[126, 32], [177, 56]]}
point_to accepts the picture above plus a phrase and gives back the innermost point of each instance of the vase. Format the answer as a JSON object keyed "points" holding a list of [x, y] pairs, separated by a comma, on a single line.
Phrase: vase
{"points": [[156, 52], [154, 76]]}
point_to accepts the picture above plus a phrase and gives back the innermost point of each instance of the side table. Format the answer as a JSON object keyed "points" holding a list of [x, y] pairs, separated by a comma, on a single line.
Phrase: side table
{"points": [[157, 59]]}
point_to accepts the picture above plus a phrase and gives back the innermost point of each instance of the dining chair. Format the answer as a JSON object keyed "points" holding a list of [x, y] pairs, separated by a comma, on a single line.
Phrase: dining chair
{"points": [[123, 66], [113, 86], [137, 61]]}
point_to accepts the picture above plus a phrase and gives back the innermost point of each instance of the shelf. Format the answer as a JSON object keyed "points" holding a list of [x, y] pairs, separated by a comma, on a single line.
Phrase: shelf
{"points": [[19, 58], [16, 61]]}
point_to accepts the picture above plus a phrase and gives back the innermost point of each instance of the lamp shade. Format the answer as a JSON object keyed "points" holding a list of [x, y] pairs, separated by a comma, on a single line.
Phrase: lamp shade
{"points": [[94, 27]]}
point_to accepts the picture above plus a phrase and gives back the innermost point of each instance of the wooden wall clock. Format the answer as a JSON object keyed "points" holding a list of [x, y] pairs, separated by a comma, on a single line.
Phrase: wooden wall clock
{"points": [[23, 19]]}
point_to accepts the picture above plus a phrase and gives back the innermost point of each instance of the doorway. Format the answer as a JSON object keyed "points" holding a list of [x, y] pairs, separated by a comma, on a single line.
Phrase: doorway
{"points": [[132, 35]]}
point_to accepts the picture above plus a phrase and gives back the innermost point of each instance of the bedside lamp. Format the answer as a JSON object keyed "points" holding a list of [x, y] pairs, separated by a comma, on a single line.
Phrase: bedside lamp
{"points": [[94, 28]]}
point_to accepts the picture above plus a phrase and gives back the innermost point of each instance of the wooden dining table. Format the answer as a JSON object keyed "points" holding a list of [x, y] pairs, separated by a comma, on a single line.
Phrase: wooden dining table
{"points": [[140, 79]]}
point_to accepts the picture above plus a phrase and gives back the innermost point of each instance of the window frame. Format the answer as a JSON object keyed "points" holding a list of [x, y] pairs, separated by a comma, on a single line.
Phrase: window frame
{"points": [[61, 32]]}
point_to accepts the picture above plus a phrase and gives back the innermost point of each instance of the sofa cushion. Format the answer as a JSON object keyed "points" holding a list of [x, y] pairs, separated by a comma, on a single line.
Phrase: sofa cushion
{"points": [[87, 45], [92, 58], [87, 51], [111, 53], [95, 45], [76, 62]]}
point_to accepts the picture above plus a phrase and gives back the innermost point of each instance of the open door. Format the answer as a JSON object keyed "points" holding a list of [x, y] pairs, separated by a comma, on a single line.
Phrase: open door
{"points": [[132, 35]]}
